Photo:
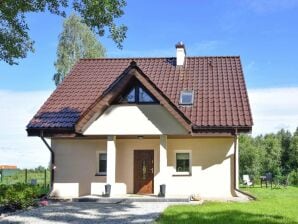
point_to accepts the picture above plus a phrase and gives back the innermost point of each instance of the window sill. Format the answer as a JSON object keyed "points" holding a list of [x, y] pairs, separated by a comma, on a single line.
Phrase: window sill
{"points": [[100, 174], [182, 174]]}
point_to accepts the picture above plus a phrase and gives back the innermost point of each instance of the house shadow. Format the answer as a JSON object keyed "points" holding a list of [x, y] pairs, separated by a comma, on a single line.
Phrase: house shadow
{"points": [[80, 212]]}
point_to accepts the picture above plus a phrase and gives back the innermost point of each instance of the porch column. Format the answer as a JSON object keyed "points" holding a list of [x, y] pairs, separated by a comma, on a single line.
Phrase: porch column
{"points": [[163, 156], [111, 159]]}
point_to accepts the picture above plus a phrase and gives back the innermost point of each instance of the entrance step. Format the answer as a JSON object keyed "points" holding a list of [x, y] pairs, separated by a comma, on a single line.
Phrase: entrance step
{"points": [[118, 200]]}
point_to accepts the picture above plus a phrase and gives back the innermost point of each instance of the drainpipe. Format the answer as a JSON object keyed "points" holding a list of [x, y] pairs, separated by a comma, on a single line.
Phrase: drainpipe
{"points": [[52, 167], [235, 166]]}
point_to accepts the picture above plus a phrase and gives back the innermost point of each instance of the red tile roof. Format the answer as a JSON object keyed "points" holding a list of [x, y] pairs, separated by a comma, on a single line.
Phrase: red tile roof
{"points": [[220, 96]]}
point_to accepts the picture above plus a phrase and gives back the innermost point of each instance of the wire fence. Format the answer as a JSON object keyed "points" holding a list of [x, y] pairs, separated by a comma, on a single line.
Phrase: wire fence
{"points": [[34, 177]]}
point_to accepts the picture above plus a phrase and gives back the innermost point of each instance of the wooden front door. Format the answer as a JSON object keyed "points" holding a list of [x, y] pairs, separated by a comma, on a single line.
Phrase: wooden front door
{"points": [[143, 171]]}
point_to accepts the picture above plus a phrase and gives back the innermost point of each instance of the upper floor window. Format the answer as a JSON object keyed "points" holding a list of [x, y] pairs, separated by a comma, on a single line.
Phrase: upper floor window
{"points": [[186, 97], [137, 94]]}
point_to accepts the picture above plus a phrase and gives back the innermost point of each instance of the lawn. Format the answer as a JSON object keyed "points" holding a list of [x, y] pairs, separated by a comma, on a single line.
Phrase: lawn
{"points": [[272, 206]]}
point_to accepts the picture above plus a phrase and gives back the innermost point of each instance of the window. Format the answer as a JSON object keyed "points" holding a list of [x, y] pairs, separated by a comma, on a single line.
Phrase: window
{"points": [[137, 94], [102, 164], [186, 97], [183, 162]]}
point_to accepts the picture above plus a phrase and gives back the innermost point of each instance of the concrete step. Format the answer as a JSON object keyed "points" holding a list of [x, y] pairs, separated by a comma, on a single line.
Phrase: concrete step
{"points": [[129, 199]]}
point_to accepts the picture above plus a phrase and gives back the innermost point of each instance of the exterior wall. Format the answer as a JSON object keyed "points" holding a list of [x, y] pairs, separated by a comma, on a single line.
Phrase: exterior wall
{"points": [[211, 170], [75, 161], [211, 173], [121, 120]]}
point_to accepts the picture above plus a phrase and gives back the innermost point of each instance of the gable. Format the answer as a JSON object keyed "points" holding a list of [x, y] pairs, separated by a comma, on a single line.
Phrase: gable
{"points": [[132, 75], [150, 119]]}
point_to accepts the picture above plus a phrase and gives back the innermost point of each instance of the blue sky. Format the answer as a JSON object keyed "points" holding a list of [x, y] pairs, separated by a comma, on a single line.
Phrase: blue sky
{"points": [[263, 32]]}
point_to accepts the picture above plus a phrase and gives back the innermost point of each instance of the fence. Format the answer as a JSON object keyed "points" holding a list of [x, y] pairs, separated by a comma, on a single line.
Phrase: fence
{"points": [[35, 177]]}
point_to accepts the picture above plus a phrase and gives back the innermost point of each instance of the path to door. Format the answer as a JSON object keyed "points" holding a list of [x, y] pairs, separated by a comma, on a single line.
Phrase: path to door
{"points": [[86, 212]]}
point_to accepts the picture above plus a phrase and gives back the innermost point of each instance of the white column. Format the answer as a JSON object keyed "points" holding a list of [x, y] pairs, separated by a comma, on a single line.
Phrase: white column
{"points": [[163, 157], [111, 159], [237, 162]]}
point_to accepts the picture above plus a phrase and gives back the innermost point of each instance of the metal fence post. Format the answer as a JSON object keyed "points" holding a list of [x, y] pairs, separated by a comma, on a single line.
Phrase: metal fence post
{"points": [[26, 175]]}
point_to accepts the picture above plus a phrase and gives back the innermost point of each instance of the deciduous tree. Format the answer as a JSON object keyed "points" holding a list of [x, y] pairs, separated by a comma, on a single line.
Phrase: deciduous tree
{"points": [[76, 41], [15, 41]]}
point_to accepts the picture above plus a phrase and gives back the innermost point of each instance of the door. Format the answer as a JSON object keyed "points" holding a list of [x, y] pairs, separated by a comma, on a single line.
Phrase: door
{"points": [[143, 171]]}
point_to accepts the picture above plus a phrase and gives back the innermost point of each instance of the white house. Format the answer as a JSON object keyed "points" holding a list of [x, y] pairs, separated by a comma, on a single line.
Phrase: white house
{"points": [[138, 123]]}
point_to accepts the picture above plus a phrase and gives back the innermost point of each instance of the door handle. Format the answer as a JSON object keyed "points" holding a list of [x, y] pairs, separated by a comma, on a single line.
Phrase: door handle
{"points": [[152, 170]]}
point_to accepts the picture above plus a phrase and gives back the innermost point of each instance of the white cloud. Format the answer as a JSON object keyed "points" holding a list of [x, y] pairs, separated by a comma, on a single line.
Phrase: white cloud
{"points": [[273, 109], [16, 109]]}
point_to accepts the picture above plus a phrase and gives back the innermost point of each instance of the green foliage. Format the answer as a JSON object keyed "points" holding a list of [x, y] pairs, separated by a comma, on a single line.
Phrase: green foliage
{"points": [[15, 41], [249, 156], [278, 206], [76, 41], [275, 153], [20, 196], [293, 177]]}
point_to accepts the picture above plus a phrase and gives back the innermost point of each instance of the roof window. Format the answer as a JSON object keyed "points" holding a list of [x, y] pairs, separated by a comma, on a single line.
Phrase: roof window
{"points": [[186, 97]]}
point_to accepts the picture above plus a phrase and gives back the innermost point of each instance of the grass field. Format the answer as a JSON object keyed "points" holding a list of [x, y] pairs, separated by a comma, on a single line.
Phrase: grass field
{"points": [[274, 206], [19, 176]]}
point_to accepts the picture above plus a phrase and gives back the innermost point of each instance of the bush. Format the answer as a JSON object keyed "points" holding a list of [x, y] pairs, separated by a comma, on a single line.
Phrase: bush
{"points": [[293, 177], [19, 196]]}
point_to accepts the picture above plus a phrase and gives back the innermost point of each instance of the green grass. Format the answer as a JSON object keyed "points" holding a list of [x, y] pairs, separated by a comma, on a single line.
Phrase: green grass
{"points": [[274, 206], [18, 176]]}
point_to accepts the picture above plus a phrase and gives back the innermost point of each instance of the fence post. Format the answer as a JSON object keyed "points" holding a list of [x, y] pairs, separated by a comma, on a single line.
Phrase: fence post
{"points": [[26, 175], [45, 178]]}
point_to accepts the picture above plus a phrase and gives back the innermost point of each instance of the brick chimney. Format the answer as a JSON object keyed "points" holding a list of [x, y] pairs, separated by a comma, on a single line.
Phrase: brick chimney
{"points": [[180, 54]]}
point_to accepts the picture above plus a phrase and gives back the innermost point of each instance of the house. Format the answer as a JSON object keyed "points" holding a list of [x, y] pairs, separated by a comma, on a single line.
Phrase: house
{"points": [[138, 123]]}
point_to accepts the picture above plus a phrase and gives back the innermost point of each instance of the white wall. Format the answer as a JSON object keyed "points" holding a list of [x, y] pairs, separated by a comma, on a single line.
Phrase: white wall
{"points": [[135, 120], [211, 174]]}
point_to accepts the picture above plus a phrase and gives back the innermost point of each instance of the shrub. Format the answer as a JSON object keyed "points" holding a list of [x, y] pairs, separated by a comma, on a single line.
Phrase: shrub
{"points": [[19, 196], [293, 177]]}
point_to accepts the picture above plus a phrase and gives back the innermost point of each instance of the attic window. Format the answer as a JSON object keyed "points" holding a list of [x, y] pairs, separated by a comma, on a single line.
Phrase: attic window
{"points": [[186, 97], [137, 94]]}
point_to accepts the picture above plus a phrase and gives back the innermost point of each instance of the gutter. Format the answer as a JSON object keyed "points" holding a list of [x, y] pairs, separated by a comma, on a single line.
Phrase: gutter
{"points": [[52, 166], [235, 175]]}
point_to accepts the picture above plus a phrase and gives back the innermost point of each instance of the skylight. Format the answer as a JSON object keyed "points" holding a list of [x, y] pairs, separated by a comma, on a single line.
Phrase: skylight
{"points": [[186, 97]]}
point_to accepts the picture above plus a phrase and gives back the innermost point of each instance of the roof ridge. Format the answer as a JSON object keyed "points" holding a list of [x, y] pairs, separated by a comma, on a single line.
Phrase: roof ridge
{"points": [[151, 58]]}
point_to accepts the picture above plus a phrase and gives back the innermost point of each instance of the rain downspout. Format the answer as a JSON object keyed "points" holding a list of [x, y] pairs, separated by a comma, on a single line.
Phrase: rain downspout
{"points": [[52, 167], [235, 167]]}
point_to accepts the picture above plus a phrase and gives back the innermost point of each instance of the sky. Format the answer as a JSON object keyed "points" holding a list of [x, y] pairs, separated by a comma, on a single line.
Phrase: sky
{"points": [[263, 32]]}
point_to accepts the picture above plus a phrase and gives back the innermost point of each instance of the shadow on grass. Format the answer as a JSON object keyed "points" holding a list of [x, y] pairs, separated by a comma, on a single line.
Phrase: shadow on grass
{"points": [[229, 217]]}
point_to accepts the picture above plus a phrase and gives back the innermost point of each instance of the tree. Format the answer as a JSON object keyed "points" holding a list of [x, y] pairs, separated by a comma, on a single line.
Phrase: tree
{"points": [[249, 161], [76, 41], [15, 42], [293, 154], [285, 140]]}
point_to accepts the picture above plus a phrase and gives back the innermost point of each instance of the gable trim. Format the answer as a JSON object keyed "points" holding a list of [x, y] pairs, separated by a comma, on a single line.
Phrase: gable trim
{"points": [[117, 87]]}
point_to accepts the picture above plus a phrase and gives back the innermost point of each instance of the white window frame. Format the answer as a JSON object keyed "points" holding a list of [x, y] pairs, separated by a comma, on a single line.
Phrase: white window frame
{"points": [[186, 92], [97, 163], [190, 162]]}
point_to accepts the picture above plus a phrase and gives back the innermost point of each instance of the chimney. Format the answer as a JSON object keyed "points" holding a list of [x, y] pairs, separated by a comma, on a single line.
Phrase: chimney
{"points": [[180, 53]]}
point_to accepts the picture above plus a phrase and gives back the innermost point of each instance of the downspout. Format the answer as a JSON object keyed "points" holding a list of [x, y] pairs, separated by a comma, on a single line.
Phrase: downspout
{"points": [[52, 167], [235, 167]]}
